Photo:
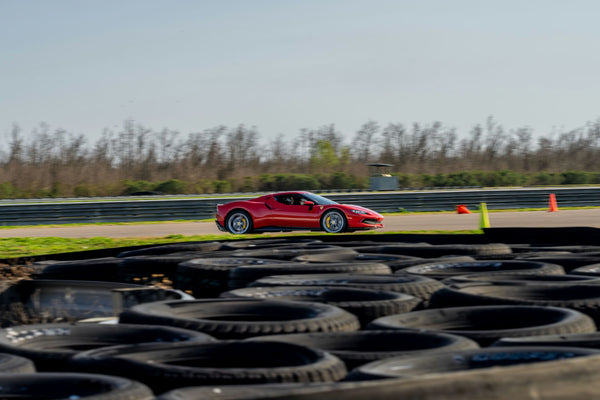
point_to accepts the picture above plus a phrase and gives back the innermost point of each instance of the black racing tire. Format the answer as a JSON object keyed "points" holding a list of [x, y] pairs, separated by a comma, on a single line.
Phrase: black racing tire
{"points": [[243, 392], [50, 346], [166, 367], [243, 318], [362, 246], [208, 277], [527, 248], [587, 270], [245, 275], [520, 279], [569, 262], [394, 261], [463, 360], [334, 221], [581, 297], [486, 324], [441, 250], [46, 300], [341, 256], [12, 364], [362, 347], [290, 252], [238, 222], [155, 269], [94, 269], [71, 386], [401, 265], [397, 248], [443, 270], [573, 379], [586, 340], [250, 244], [172, 248], [413, 285], [522, 256], [365, 304]]}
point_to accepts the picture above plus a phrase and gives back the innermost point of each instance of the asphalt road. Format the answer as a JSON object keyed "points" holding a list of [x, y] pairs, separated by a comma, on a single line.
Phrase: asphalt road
{"points": [[409, 222]]}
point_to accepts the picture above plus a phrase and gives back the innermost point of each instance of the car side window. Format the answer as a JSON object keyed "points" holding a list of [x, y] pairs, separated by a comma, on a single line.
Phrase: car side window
{"points": [[284, 200]]}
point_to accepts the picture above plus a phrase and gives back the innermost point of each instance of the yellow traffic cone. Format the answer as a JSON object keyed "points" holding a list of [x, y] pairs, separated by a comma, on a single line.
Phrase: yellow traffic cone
{"points": [[484, 220]]}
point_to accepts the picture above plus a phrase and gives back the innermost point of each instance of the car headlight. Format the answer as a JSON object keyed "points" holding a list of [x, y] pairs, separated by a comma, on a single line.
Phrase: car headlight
{"points": [[361, 212]]}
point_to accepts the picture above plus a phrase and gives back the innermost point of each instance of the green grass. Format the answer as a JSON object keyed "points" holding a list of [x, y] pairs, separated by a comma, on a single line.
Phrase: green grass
{"points": [[20, 247], [27, 247], [106, 223]]}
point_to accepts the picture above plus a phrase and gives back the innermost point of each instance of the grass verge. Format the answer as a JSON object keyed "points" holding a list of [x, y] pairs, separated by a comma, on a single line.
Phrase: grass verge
{"points": [[23, 247]]}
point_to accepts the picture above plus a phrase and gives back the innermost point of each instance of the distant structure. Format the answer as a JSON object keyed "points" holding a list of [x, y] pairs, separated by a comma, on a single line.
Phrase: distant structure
{"points": [[380, 178]]}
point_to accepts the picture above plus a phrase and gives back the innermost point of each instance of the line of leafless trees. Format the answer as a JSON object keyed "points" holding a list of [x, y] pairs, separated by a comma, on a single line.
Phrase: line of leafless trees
{"points": [[49, 159]]}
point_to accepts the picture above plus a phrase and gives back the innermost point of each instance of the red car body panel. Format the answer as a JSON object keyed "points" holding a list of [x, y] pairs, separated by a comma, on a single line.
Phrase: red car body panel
{"points": [[269, 214]]}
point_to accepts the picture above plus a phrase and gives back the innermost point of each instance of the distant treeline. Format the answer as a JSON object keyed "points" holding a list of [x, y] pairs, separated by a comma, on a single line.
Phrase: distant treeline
{"points": [[55, 163]]}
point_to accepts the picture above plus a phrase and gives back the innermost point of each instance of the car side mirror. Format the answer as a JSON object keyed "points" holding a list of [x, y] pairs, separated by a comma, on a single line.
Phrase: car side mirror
{"points": [[310, 204]]}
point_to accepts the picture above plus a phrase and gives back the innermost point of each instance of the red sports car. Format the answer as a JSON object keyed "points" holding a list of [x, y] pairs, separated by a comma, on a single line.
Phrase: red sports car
{"points": [[288, 211]]}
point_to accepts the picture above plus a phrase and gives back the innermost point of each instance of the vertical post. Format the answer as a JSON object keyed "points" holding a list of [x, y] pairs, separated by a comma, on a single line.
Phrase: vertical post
{"points": [[484, 220]]}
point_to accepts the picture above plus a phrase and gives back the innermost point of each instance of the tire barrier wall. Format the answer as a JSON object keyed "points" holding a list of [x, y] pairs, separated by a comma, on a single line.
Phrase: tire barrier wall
{"points": [[65, 211], [285, 341]]}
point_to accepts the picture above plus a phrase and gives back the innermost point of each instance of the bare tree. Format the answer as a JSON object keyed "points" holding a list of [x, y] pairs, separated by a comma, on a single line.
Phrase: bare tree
{"points": [[52, 161], [394, 146], [365, 140]]}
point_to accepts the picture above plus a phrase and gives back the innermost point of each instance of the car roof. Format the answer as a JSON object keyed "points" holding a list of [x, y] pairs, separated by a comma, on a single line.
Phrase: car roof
{"points": [[295, 192], [281, 194]]}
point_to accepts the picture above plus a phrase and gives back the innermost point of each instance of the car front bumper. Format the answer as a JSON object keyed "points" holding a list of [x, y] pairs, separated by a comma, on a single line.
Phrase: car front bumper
{"points": [[365, 223]]}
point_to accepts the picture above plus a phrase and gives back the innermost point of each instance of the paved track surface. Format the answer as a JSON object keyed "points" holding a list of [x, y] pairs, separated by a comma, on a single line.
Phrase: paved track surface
{"points": [[409, 222]]}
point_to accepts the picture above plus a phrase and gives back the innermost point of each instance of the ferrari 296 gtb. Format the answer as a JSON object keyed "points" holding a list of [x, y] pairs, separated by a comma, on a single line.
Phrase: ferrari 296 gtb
{"points": [[287, 211]]}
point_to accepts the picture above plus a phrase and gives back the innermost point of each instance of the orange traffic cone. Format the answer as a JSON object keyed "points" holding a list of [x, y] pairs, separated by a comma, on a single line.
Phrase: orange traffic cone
{"points": [[462, 209], [553, 207]]}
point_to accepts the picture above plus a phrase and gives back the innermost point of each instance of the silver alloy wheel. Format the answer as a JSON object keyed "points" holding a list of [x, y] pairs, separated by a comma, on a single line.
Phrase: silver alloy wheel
{"points": [[239, 222], [333, 222]]}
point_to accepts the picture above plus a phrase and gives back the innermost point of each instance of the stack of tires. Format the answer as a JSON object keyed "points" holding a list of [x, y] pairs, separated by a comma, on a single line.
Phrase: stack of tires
{"points": [[300, 318]]}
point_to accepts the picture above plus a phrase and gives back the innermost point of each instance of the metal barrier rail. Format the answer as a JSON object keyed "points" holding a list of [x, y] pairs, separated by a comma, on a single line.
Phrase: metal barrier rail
{"points": [[62, 212]]}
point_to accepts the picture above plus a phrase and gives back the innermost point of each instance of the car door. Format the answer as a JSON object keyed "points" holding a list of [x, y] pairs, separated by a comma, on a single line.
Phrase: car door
{"points": [[291, 213]]}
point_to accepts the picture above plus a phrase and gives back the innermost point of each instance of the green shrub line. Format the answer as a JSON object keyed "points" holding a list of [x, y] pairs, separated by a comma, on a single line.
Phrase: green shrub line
{"points": [[314, 182]]}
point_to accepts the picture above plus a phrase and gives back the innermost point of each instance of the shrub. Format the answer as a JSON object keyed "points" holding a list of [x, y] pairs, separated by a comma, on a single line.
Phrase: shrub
{"points": [[341, 180], [249, 185], [81, 190], [172, 186], [575, 177], [8, 191], [546, 178], [136, 186], [266, 183], [279, 182], [220, 186], [508, 178], [462, 179], [408, 180]]}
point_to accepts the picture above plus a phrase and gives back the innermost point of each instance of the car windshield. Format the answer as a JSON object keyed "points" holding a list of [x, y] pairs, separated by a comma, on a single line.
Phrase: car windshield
{"points": [[318, 199]]}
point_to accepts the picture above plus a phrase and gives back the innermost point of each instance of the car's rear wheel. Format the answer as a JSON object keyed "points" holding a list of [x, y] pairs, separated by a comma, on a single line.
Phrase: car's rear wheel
{"points": [[239, 222], [333, 221]]}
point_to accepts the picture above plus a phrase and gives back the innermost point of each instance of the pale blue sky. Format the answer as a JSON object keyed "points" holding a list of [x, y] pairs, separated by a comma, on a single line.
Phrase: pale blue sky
{"points": [[283, 65]]}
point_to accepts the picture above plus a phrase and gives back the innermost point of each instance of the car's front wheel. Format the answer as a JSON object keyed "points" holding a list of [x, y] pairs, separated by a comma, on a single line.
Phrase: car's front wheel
{"points": [[334, 221], [239, 222]]}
